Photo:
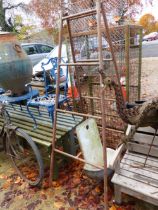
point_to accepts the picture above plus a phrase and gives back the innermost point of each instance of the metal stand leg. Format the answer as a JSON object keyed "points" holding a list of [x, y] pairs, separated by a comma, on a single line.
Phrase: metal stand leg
{"points": [[150, 148], [30, 113], [39, 111], [51, 113], [21, 108], [118, 199], [13, 107]]}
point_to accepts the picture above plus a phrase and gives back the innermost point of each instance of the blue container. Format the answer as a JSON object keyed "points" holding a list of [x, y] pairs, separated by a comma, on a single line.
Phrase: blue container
{"points": [[15, 65]]}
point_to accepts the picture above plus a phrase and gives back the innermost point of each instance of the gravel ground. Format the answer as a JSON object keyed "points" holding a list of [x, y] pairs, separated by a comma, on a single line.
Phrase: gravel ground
{"points": [[149, 81]]}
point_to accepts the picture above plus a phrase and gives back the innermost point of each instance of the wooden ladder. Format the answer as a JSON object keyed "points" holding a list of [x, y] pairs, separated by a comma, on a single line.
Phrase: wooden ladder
{"points": [[99, 11]]}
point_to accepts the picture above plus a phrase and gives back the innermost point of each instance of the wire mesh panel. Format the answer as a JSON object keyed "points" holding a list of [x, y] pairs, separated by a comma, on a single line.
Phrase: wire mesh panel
{"points": [[125, 40]]}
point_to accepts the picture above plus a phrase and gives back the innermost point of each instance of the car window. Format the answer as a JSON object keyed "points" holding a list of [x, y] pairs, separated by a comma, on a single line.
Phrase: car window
{"points": [[54, 52], [44, 48], [30, 49]]}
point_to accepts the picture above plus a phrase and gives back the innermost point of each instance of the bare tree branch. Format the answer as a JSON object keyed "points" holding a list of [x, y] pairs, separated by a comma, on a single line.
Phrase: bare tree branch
{"points": [[9, 7]]}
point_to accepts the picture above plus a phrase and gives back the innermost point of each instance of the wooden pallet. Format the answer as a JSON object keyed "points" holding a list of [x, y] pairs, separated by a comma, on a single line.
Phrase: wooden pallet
{"points": [[131, 177], [38, 86], [66, 124]]}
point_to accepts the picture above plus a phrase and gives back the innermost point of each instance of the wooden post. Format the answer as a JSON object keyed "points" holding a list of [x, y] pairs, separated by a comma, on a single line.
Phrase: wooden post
{"points": [[98, 8], [117, 194]]}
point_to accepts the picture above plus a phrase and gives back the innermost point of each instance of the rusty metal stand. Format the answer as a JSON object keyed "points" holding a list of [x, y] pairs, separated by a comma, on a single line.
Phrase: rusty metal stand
{"points": [[99, 12]]}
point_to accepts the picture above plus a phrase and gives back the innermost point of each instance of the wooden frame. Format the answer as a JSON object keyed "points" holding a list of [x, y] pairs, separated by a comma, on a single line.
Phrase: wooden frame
{"points": [[131, 176]]}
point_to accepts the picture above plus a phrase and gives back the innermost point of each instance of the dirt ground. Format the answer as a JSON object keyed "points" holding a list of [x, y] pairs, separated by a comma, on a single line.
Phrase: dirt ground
{"points": [[149, 87], [73, 190]]}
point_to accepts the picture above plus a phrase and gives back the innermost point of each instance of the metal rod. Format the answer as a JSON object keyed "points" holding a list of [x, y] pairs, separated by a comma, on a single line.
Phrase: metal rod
{"points": [[91, 97], [76, 158], [127, 60], [94, 31], [94, 60], [70, 76], [80, 64], [150, 147], [111, 48], [98, 8], [140, 63], [79, 154], [97, 98], [114, 130], [79, 114], [80, 15], [74, 61], [56, 103]]}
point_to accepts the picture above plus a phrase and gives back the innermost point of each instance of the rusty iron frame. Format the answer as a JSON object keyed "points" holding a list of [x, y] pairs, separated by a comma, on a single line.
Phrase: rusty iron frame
{"points": [[99, 62]]}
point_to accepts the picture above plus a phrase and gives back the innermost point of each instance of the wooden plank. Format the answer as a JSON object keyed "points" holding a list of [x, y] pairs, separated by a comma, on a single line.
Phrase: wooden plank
{"points": [[40, 122], [26, 114], [29, 119], [67, 123], [139, 162], [71, 116], [146, 130], [28, 127], [137, 156], [141, 172], [24, 107], [37, 131], [25, 111], [136, 186], [140, 178], [37, 84], [143, 149], [45, 112], [44, 115], [137, 189], [35, 135], [42, 128], [145, 139], [45, 143]]}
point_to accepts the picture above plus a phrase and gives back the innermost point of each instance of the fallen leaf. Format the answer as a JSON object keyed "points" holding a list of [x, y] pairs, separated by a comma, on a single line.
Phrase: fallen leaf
{"points": [[2, 176], [43, 195], [20, 197], [6, 185], [97, 189], [113, 207], [71, 208], [58, 204]]}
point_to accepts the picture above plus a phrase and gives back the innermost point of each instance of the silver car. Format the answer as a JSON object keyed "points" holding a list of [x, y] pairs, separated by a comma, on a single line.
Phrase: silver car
{"points": [[36, 51]]}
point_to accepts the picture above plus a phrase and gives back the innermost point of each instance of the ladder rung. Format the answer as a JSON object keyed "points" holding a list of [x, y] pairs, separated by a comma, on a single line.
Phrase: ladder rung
{"points": [[95, 60], [80, 15], [79, 114], [80, 64]]}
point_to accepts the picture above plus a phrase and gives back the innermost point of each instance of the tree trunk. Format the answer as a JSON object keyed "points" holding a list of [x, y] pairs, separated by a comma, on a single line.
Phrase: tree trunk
{"points": [[3, 23]]}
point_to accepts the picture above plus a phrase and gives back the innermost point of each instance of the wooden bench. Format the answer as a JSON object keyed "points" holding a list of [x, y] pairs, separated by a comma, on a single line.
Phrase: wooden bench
{"points": [[66, 124], [131, 177]]}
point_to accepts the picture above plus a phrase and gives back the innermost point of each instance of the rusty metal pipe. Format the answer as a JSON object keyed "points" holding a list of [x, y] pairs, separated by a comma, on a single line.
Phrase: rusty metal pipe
{"points": [[56, 103], [76, 158], [98, 8]]}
